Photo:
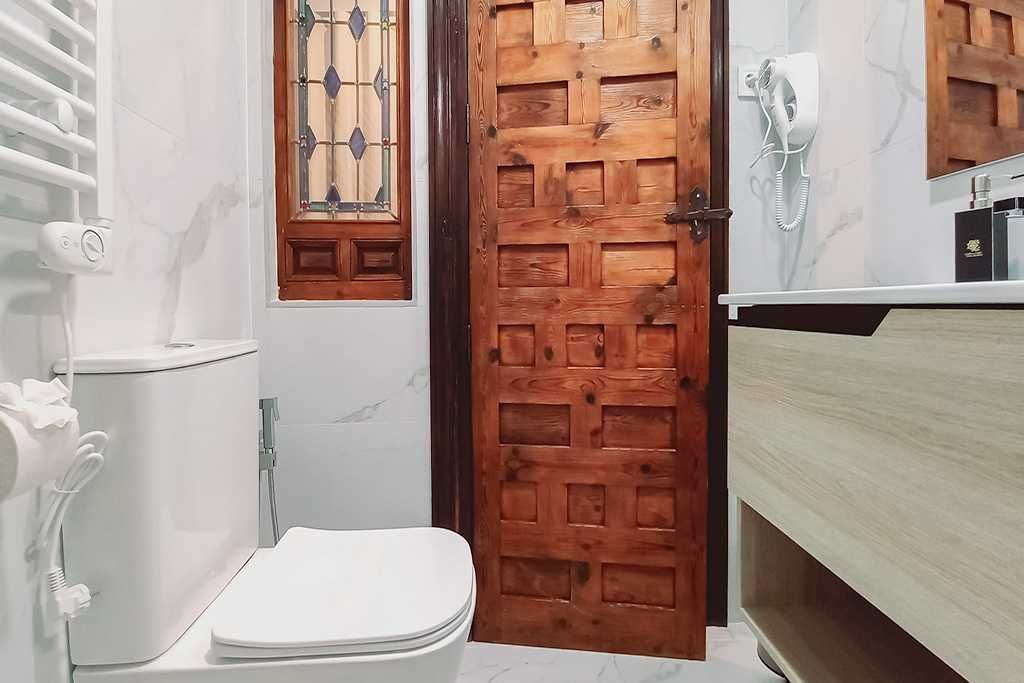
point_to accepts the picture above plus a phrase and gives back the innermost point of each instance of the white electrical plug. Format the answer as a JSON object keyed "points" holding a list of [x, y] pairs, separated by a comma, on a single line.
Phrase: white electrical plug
{"points": [[72, 601], [76, 248]]}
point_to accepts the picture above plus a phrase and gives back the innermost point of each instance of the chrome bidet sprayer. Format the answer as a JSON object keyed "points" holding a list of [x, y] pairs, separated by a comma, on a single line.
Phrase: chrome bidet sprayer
{"points": [[268, 455]]}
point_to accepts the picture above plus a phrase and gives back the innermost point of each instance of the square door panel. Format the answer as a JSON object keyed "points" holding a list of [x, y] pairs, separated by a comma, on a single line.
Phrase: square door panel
{"points": [[533, 424], [538, 578], [638, 264], [638, 427], [542, 265]]}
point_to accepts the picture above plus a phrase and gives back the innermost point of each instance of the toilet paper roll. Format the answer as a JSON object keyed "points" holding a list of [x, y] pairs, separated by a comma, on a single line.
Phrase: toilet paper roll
{"points": [[30, 458]]}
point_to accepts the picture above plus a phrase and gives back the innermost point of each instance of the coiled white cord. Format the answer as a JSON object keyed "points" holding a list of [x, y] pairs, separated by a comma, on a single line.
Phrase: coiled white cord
{"points": [[71, 600], [802, 201]]}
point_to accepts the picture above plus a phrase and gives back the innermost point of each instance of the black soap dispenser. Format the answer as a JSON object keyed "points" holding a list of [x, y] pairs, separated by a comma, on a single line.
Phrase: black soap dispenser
{"points": [[981, 233]]}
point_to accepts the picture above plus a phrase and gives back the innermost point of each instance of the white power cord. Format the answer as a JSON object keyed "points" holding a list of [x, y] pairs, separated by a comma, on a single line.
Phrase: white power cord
{"points": [[66, 306], [71, 601]]}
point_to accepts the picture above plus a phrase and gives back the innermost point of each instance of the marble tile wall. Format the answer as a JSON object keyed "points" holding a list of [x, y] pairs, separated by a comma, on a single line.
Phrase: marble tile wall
{"points": [[352, 378], [873, 218], [182, 246], [757, 31]]}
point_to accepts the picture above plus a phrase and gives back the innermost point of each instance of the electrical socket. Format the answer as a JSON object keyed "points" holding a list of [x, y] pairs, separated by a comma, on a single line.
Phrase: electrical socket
{"points": [[744, 91]]}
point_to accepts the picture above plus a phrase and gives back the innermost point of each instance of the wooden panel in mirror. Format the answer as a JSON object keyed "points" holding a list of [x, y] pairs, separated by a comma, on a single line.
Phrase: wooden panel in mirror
{"points": [[975, 82]]}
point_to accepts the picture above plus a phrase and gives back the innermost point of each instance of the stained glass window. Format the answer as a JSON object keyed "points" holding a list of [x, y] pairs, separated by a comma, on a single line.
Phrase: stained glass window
{"points": [[345, 133], [341, 104]]}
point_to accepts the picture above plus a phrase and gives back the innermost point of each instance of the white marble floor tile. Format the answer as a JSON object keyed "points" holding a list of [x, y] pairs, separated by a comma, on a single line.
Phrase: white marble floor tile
{"points": [[732, 658]]}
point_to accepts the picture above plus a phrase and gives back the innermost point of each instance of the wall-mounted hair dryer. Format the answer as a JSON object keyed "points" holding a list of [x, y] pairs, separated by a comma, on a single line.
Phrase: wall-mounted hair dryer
{"points": [[788, 89]]}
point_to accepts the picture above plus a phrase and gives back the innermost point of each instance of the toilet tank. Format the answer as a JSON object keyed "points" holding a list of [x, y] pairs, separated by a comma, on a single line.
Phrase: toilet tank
{"points": [[173, 514]]}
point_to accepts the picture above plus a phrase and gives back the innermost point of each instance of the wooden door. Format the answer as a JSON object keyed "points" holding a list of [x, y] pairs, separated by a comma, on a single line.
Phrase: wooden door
{"points": [[589, 322]]}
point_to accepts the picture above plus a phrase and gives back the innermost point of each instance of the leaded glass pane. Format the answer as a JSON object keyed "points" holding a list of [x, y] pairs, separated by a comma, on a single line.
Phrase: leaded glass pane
{"points": [[345, 133], [319, 179], [370, 181], [308, 143], [357, 22], [332, 82], [357, 143]]}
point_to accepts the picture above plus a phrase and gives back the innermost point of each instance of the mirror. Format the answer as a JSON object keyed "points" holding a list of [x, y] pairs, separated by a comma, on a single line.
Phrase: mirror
{"points": [[975, 81]]}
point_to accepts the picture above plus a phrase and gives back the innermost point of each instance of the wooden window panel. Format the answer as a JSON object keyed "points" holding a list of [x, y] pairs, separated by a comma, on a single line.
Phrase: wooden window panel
{"points": [[373, 255]]}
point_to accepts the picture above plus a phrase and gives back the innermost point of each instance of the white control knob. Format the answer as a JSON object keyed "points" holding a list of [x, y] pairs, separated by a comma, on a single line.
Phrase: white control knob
{"points": [[92, 246]]}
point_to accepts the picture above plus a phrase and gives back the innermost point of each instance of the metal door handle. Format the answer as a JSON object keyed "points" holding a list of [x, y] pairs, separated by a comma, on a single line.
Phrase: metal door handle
{"points": [[698, 215]]}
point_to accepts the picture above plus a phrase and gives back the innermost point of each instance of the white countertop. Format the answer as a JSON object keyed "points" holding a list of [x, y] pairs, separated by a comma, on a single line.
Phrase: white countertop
{"points": [[1011, 292]]}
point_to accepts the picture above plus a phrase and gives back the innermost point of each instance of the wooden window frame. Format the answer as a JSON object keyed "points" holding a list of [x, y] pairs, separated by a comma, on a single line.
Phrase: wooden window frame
{"points": [[350, 279]]}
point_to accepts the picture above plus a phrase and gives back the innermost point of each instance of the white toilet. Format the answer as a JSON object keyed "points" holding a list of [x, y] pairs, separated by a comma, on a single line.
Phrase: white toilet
{"points": [[166, 538]]}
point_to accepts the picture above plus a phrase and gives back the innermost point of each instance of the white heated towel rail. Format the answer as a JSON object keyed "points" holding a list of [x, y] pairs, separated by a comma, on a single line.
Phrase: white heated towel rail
{"points": [[71, 112]]}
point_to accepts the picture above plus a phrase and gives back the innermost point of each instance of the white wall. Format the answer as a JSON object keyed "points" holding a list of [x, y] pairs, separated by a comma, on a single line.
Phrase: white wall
{"points": [[182, 246], [874, 219], [757, 31], [352, 378]]}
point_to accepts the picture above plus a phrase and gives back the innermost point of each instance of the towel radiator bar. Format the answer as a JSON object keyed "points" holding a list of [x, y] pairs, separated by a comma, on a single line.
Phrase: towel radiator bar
{"points": [[70, 112]]}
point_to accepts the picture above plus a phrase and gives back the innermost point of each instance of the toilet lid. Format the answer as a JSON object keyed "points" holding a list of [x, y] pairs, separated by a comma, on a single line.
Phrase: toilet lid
{"points": [[347, 592]]}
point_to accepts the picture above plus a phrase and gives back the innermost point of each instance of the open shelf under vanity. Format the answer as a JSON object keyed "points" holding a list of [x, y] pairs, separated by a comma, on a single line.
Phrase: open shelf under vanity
{"points": [[815, 627]]}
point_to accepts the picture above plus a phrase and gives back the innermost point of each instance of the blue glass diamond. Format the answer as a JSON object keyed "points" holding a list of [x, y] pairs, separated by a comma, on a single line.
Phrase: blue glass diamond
{"points": [[308, 20], [357, 143], [357, 22], [332, 82], [333, 196], [309, 143], [381, 196], [378, 83]]}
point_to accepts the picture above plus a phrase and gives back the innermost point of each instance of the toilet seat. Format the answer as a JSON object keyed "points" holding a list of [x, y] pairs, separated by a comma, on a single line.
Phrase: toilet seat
{"points": [[346, 593], [196, 656]]}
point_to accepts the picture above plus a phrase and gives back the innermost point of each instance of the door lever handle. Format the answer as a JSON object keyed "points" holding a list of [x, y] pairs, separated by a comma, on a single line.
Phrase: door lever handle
{"points": [[676, 217], [698, 215]]}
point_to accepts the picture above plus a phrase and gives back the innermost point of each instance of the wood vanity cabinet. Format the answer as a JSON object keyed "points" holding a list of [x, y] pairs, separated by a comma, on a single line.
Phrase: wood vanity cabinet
{"points": [[879, 465]]}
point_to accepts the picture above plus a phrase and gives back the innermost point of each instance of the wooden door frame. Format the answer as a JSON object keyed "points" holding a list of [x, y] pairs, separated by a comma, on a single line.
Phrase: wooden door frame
{"points": [[450, 376]]}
